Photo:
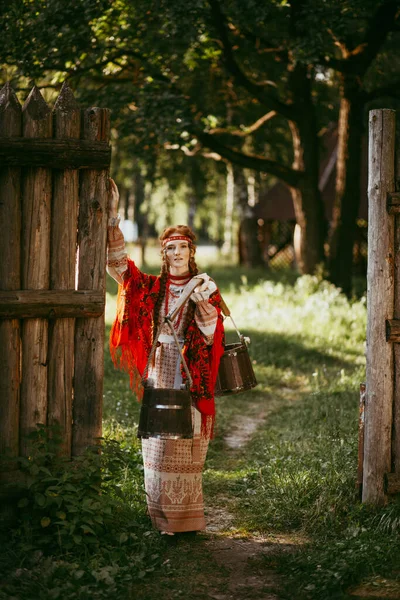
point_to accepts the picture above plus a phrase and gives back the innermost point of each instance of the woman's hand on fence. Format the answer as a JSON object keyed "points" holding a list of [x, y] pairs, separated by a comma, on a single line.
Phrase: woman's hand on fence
{"points": [[113, 198]]}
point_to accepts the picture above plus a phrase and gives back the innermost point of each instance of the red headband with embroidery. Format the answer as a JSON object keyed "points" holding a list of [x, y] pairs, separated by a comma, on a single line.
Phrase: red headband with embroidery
{"points": [[176, 237]]}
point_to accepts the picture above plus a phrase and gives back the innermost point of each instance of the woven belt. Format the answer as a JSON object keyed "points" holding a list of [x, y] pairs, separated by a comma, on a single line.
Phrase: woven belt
{"points": [[168, 339]]}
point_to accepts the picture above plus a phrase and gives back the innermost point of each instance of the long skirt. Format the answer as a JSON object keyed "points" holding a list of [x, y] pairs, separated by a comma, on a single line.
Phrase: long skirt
{"points": [[173, 468], [173, 480]]}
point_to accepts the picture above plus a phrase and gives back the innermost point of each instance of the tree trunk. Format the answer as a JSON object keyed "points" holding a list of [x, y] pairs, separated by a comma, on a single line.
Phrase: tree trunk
{"points": [[127, 203], [196, 189], [309, 209], [250, 251], [348, 191], [308, 206], [140, 217], [227, 247], [148, 186]]}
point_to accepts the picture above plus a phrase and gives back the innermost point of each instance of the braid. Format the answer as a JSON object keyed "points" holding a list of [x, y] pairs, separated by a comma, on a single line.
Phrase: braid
{"points": [[192, 306], [161, 295]]}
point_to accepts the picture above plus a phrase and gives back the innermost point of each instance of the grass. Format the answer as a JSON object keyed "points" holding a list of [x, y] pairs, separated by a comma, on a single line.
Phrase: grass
{"points": [[295, 477], [298, 472]]}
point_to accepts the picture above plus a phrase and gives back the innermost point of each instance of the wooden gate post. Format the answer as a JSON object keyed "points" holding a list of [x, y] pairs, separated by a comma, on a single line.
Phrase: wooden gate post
{"points": [[10, 279], [380, 299], [395, 208]]}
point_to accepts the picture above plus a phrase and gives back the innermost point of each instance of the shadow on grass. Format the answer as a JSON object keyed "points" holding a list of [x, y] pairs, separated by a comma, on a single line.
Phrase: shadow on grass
{"points": [[284, 351]]}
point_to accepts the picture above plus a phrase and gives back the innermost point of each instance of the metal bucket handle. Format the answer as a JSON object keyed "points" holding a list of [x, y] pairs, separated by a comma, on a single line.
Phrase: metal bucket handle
{"points": [[227, 313]]}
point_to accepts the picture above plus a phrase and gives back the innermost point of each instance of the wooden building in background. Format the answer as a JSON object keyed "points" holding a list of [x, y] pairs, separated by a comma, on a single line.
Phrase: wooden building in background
{"points": [[276, 217]]}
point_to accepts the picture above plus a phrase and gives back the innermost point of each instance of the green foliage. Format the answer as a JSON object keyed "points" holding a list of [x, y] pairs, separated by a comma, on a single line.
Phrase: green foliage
{"points": [[329, 566], [80, 528]]}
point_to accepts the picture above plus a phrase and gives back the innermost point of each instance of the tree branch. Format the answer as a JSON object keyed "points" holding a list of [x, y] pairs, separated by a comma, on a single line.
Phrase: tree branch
{"points": [[246, 130], [251, 161], [381, 23], [257, 91], [356, 62], [197, 150], [280, 51], [379, 26]]}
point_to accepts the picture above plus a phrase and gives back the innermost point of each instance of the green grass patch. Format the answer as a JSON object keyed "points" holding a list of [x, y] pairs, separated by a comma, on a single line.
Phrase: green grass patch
{"points": [[296, 475]]}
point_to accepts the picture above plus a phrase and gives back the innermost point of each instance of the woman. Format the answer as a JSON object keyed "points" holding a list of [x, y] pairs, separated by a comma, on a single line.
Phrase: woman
{"points": [[173, 468]]}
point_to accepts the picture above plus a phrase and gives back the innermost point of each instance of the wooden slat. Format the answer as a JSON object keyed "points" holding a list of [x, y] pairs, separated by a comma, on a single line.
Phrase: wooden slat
{"points": [[51, 304], [89, 333], [64, 223], [55, 154], [36, 202], [361, 423], [392, 483], [380, 295], [393, 330], [10, 278], [393, 203], [395, 199]]}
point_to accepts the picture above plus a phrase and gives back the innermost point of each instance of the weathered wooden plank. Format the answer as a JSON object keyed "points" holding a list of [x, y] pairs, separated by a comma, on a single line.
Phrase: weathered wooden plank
{"points": [[51, 304], [64, 223], [394, 199], [10, 279], [55, 153], [380, 297], [392, 483], [37, 122], [393, 330], [89, 333], [361, 423], [393, 203]]}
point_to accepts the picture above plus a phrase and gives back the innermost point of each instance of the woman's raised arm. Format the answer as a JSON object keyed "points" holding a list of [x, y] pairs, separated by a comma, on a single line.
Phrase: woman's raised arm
{"points": [[117, 260]]}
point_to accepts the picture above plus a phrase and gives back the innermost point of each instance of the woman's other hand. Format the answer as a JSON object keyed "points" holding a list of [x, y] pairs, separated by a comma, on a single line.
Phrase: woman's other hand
{"points": [[113, 198], [204, 290], [203, 286]]}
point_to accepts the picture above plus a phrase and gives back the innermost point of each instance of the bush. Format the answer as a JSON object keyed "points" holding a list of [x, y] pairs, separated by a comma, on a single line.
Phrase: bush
{"points": [[80, 528]]}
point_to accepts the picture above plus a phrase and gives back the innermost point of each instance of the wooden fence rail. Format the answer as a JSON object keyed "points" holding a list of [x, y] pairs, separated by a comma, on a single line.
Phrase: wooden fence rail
{"points": [[53, 210]]}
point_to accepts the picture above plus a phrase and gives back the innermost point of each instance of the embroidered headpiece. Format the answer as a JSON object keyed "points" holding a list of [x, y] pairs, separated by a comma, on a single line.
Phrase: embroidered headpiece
{"points": [[176, 237]]}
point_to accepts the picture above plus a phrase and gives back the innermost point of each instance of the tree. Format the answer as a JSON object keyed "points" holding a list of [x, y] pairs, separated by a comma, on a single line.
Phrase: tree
{"points": [[357, 53], [139, 57], [207, 74]]}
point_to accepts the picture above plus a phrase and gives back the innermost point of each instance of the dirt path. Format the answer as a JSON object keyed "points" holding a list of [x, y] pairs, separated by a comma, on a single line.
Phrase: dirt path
{"points": [[238, 556], [223, 563]]}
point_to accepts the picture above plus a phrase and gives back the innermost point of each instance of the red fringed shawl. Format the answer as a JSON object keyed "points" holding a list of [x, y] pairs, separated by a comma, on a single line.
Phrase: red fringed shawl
{"points": [[132, 331]]}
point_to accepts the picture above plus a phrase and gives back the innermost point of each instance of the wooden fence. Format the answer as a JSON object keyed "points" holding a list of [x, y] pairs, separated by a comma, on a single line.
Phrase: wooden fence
{"points": [[53, 217], [379, 449]]}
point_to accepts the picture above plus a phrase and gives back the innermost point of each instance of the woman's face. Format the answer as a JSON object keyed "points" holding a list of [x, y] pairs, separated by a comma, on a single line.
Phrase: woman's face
{"points": [[178, 254]]}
